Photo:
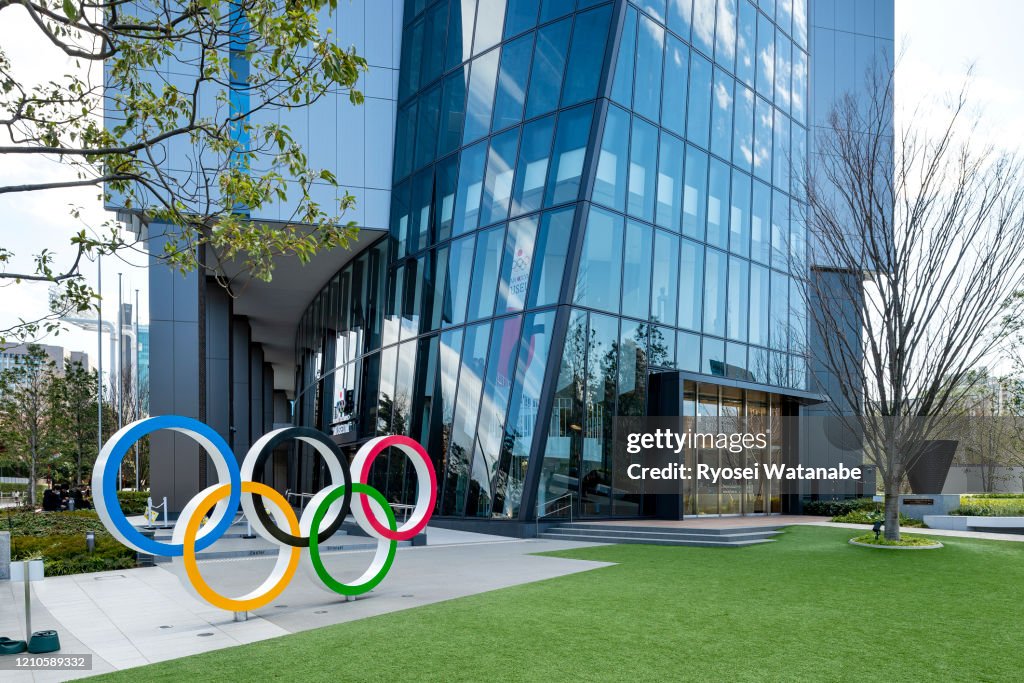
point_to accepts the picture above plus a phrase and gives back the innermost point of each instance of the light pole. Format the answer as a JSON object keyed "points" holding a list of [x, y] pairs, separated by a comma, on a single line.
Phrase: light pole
{"points": [[120, 371], [99, 353], [138, 371]]}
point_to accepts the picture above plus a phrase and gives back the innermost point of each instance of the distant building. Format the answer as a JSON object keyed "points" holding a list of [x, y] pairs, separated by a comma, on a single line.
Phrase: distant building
{"points": [[12, 356]]}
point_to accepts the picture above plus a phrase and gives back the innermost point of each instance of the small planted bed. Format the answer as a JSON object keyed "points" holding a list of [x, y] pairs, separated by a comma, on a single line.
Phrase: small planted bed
{"points": [[906, 542]]}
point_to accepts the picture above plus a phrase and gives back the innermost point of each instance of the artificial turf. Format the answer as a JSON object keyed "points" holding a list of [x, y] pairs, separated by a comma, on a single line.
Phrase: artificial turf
{"points": [[807, 607]]}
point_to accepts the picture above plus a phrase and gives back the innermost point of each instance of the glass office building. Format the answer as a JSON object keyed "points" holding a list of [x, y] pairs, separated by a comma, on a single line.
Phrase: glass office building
{"points": [[584, 195]]}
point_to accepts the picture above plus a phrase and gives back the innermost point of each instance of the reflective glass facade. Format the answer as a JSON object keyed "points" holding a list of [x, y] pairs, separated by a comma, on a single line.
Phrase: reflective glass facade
{"points": [[584, 192]]}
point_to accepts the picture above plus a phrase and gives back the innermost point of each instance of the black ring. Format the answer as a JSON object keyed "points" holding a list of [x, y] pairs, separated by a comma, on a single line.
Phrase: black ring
{"points": [[305, 434]]}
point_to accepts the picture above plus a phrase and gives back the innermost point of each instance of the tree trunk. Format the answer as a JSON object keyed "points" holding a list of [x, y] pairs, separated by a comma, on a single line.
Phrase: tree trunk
{"points": [[892, 509], [78, 468], [32, 468]]}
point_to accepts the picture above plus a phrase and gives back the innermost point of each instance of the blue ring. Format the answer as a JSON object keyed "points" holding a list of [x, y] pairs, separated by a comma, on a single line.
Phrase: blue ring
{"points": [[120, 449]]}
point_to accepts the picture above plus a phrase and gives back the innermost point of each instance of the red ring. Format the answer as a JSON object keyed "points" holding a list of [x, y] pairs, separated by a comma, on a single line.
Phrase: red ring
{"points": [[387, 442]]}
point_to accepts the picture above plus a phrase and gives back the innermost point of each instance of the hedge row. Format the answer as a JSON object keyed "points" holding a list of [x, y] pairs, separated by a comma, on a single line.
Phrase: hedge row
{"points": [[869, 517], [989, 507], [65, 554], [835, 508]]}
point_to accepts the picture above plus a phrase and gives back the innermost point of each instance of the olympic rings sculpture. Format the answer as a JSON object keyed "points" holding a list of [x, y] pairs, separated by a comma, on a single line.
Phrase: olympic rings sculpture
{"points": [[240, 487]]}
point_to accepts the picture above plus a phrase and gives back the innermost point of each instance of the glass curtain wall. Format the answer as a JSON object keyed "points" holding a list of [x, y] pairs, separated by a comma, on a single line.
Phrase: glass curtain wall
{"points": [[676, 197], [497, 100], [690, 249]]}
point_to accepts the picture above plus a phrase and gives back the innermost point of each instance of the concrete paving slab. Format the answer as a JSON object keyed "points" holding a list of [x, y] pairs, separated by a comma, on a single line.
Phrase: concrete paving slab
{"points": [[137, 616]]}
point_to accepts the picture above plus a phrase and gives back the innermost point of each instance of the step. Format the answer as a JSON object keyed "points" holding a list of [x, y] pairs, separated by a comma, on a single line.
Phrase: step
{"points": [[654, 541], [665, 535]]}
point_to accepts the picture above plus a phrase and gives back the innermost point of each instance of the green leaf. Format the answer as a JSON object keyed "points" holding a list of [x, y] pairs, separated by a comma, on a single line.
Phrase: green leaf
{"points": [[70, 11]]}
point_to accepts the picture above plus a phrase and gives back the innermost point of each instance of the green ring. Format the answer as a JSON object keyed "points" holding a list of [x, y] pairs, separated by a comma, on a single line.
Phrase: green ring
{"points": [[314, 543]]}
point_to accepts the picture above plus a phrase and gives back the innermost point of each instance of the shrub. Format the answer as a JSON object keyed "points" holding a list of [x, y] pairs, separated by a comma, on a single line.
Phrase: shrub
{"points": [[24, 522], [990, 507], [67, 554], [59, 539], [833, 508], [133, 502], [869, 517], [966, 498]]}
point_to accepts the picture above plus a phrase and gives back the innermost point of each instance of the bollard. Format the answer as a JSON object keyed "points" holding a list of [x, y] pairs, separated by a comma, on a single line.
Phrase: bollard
{"points": [[90, 541], [5, 555], [241, 616], [28, 600]]}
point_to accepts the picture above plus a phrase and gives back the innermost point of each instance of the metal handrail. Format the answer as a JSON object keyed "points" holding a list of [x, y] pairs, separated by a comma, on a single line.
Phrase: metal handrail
{"points": [[562, 508]]}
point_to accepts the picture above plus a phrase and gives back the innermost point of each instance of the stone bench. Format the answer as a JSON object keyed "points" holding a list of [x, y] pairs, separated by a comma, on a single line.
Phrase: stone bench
{"points": [[969, 522]]}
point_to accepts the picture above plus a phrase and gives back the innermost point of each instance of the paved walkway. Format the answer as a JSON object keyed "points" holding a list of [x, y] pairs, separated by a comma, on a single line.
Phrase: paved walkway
{"points": [[929, 532], [137, 616]]}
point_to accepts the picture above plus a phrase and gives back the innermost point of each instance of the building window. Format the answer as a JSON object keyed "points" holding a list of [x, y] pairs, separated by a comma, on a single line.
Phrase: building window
{"points": [[520, 16], [599, 276], [695, 193], [665, 278], [482, 83], [673, 102], [622, 85], [739, 284], [471, 182], [746, 43], [698, 118], [725, 34], [552, 251], [670, 182], [647, 88], [691, 285], [511, 97], [460, 263], [636, 271], [568, 155], [739, 214], [610, 181], [501, 163], [532, 168], [548, 66], [589, 40], [486, 268], [715, 281], [643, 160], [515, 265], [718, 205]]}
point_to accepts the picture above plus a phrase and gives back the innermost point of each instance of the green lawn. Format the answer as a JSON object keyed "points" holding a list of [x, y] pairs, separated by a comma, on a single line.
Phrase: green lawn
{"points": [[807, 607]]}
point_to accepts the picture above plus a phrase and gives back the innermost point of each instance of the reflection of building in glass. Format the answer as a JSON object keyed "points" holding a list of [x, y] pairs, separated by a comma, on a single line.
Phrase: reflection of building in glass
{"points": [[583, 195]]}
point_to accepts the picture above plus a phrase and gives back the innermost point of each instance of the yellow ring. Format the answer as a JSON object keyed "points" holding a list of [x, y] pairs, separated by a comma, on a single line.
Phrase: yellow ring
{"points": [[189, 556]]}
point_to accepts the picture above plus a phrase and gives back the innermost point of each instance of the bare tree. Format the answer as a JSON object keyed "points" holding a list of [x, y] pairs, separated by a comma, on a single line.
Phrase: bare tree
{"points": [[917, 239]]}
